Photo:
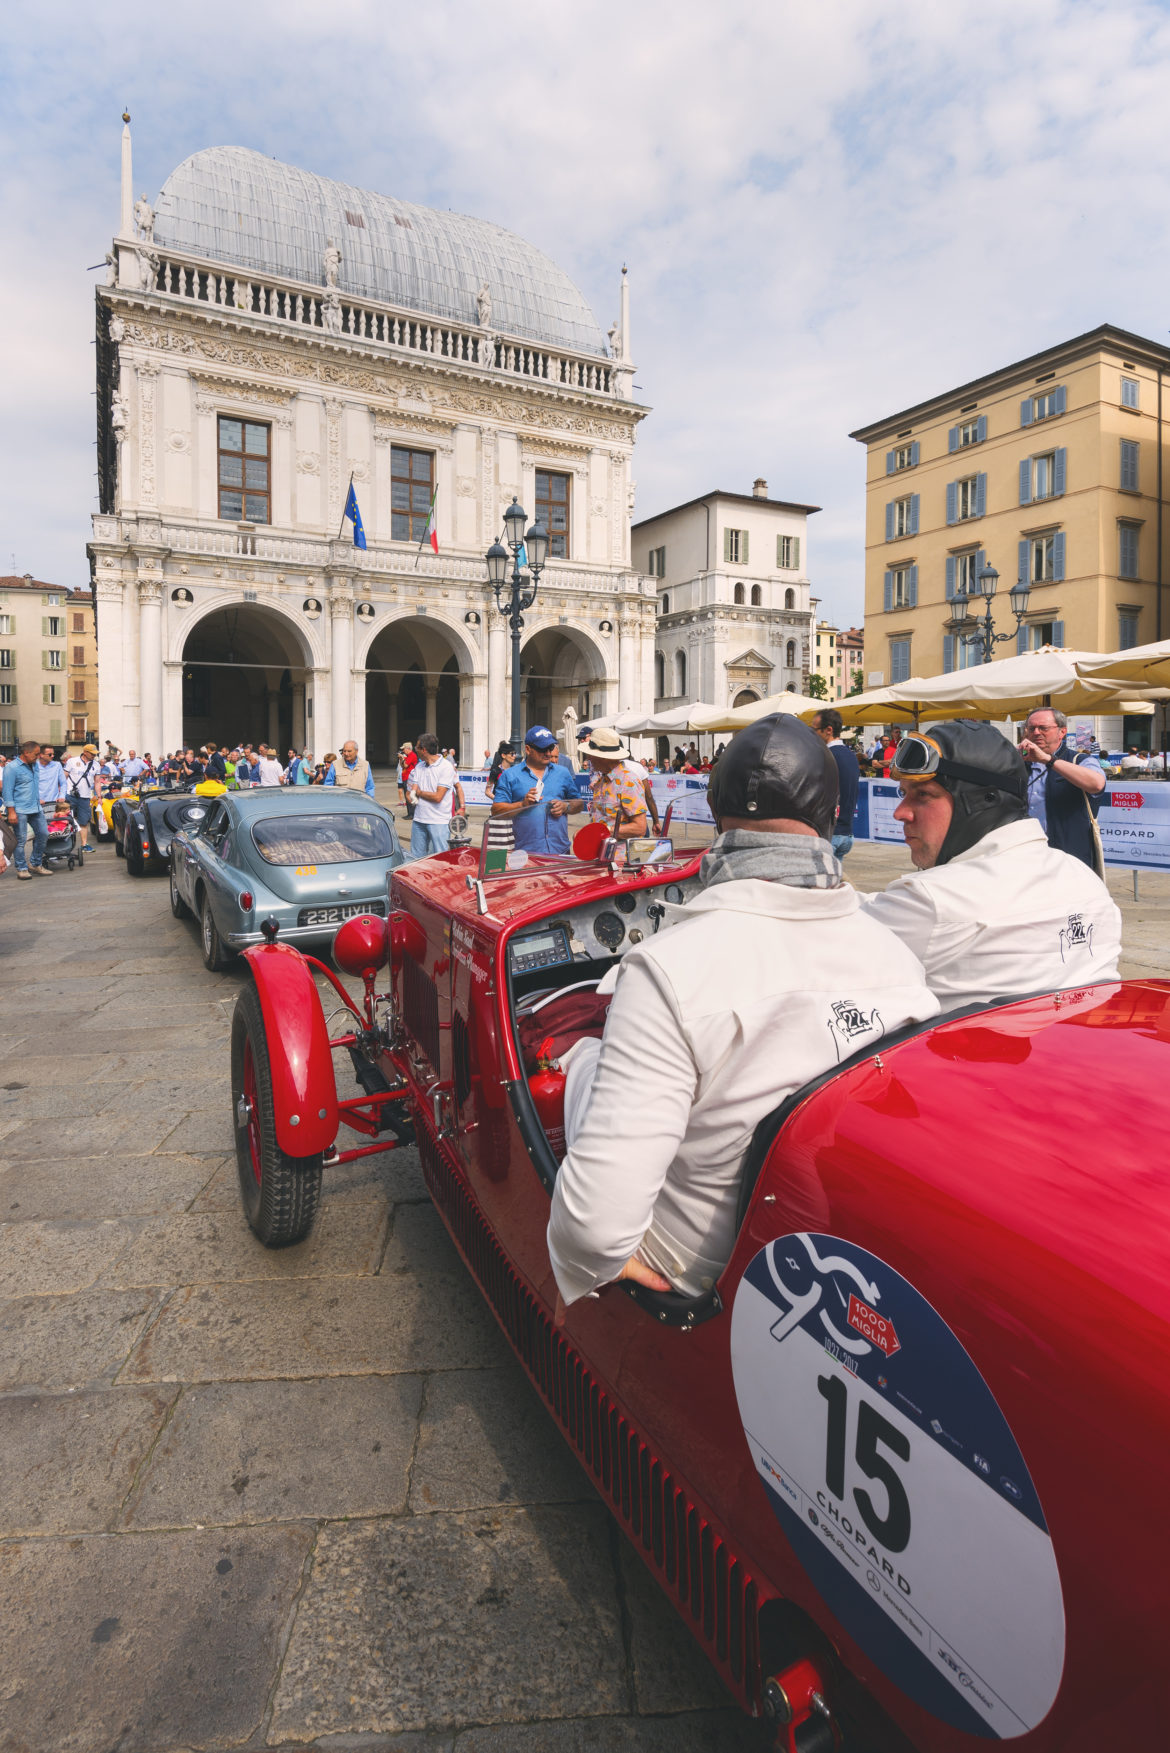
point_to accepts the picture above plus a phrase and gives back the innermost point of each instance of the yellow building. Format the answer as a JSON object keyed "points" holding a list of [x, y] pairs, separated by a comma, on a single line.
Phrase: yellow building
{"points": [[1050, 470], [33, 666], [824, 660], [81, 668]]}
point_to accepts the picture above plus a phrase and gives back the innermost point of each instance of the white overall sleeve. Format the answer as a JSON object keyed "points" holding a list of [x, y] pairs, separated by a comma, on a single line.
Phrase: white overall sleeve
{"points": [[637, 1116], [907, 909]]}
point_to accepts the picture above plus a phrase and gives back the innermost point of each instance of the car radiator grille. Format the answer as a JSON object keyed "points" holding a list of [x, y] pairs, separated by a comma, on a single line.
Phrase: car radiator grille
{"points": [[710, 1583], [420, 1008]]}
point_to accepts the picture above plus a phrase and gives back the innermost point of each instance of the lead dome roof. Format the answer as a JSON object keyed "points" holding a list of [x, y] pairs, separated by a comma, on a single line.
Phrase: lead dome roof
{"points": [[230, 204]]}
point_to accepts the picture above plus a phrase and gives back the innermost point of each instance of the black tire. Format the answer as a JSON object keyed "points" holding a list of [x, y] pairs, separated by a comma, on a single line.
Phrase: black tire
{"points": [[179, 907], [135, 863], [120, 846], [72, 861], [81, 858], [279, 1193], [215, 957]]}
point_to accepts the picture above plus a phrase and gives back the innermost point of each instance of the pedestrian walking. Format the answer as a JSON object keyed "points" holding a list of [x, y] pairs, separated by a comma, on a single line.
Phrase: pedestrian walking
{"points": [[81, 774], [51, 784], [432, 781], [20, 794], [827, 725], [408, 764]]}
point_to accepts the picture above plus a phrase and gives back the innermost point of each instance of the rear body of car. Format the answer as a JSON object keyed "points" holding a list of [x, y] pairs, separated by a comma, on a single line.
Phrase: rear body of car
{"points": [[306, 859]]}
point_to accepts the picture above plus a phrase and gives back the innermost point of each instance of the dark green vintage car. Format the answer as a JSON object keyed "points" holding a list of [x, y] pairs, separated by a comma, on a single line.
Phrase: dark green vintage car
{"points": [[308, 859]]}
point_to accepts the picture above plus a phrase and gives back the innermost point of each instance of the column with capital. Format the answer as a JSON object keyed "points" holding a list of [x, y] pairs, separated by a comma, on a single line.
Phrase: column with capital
{"points": [[150, 684], [627, 663], [432, 693], [299, 733], [341, 628]]}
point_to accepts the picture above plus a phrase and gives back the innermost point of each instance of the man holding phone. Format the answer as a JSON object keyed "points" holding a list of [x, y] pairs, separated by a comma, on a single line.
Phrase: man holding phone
{"points": [[537, 794]]}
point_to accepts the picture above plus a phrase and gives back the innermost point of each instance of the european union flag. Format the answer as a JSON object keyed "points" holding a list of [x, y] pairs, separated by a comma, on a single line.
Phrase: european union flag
{"points": [[351, 511]]}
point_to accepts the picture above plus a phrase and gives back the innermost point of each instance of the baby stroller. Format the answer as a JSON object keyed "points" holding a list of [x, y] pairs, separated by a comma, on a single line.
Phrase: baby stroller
{"points": [[62, 846]]}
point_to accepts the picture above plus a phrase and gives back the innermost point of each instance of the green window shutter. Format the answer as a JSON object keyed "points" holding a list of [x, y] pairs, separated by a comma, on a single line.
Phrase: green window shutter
{"points": [[743, 544], [726, 546], [45, 695], [779, 550], [796, 552], [44, 626]]}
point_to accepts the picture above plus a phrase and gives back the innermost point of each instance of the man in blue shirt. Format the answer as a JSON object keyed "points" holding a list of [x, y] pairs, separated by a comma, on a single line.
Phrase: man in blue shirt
{"points": [[51, 785], [20, 794], [537, 794], [1064, 788], [133, 767]]}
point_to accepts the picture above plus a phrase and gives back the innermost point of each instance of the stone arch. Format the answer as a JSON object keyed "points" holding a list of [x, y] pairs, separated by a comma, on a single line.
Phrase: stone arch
{"points": [[659, 676], [790, 655], [757, 596], [789, 599], [737, 594], [745, 697], [562, 664], [680, 672], [245, 675], [413, 664]]}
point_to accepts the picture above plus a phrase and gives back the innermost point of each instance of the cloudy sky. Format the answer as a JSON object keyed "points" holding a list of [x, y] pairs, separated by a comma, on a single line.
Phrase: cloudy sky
{"points": [[829, 211]]}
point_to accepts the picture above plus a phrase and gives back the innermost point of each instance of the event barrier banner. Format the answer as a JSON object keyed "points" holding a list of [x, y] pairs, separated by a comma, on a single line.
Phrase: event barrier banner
{"points": [[1134, 821]]}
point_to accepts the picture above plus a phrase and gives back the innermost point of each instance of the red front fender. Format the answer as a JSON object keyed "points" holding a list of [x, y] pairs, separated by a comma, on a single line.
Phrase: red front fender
{"points": [[299, 1054]]}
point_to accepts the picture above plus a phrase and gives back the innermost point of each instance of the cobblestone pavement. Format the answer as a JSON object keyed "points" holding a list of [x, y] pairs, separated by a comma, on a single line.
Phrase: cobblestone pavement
{"points": [[252, 1499]]}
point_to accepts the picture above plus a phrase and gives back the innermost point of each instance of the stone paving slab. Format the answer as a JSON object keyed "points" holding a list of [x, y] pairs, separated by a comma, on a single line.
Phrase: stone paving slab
{"points": [[282, 1451], [217, 1247], [722, 1732], [441, 1620], [59, 1255], [70, 1341], [669, 1669], [362, 1326], [115, 1133], [111, 1186], [27, 1062], [70, 1459], [485, 1438], [144, 1642], [204, 1131]]}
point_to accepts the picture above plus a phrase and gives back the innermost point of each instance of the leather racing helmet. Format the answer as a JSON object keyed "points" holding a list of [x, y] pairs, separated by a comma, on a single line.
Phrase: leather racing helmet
{"points": [[984, 773], [777, 767]]}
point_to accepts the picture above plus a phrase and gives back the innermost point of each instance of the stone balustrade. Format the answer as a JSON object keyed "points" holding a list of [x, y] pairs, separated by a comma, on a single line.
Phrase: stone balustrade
{"points": [[334, 315]]}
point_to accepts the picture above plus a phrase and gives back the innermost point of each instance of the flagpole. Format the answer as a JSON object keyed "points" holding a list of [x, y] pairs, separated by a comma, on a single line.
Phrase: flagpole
{"points": [[345, 502], [423, 537]]}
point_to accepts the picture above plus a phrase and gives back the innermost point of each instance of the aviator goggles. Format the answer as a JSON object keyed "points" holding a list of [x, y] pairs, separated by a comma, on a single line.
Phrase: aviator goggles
{"points": [[919, 757]]}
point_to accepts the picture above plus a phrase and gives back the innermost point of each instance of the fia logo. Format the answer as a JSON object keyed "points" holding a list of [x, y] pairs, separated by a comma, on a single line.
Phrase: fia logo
{"points": [[1076, 935], [848, 1022]]}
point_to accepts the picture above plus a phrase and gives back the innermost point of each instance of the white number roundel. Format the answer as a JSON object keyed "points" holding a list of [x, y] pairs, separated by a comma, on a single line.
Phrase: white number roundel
{"points": [[898, 1483]]}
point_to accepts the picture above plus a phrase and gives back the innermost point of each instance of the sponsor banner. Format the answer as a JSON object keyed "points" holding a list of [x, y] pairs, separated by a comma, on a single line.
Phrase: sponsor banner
{"points": [[1134, 824]]}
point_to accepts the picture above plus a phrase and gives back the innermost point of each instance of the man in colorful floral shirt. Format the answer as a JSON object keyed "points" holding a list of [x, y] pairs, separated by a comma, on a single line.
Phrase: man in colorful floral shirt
{"points": [[617, 797]]}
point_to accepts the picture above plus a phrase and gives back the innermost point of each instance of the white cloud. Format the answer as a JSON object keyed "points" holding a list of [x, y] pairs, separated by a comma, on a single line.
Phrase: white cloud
{"points": [[828, 212]]}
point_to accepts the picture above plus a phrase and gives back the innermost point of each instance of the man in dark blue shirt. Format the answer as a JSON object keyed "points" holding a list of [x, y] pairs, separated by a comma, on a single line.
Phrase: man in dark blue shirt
{"points": [[537, 794], [827, 725]]}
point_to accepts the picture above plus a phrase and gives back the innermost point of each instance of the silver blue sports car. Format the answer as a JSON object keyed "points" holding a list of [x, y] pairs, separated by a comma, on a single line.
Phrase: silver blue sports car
{"points": [[307, 858]]}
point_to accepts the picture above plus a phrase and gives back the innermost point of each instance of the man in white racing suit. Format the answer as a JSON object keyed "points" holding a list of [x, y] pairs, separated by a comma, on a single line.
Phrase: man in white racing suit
{"points": [[991, 911], [771, 976]]}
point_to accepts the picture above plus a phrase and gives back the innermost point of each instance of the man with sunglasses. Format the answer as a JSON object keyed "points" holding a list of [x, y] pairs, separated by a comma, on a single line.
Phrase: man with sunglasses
{"points": [[991, 910]]}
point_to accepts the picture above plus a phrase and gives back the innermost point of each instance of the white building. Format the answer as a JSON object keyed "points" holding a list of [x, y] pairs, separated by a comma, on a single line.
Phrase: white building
{"points": [[267, 335], [734, 613]]}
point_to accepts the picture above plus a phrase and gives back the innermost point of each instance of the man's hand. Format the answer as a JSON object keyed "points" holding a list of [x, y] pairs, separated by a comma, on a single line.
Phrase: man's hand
{"points": [[1033, 752], [641, 1274], [559, 807]]}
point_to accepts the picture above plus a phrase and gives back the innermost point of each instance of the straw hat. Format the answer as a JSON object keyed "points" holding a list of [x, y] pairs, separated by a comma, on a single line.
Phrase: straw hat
{"points": [[605, 743]]}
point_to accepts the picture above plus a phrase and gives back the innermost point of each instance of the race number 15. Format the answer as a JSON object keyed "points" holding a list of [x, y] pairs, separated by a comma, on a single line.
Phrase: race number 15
{"points": [[892, 1529]]}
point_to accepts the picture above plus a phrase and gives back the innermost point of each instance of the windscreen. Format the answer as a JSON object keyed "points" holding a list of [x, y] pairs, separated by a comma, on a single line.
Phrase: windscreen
{"points": [[321, 839]]}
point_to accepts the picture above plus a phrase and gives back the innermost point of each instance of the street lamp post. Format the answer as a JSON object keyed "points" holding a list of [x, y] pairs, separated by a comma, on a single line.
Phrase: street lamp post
{"points": [[979, 630], [522, 592]]}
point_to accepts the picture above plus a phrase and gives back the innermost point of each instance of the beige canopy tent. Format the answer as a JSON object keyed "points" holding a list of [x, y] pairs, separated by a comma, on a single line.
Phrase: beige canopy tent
{"points": [[733, 718], [1008, 688], [1144, 666]]}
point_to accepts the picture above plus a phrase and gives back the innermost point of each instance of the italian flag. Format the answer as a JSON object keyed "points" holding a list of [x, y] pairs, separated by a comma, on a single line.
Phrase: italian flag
{"points": [[431, 533]]}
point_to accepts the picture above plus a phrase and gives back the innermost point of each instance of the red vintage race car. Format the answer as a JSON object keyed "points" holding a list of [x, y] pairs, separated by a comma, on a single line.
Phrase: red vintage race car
{"points": [[901, 1470]]}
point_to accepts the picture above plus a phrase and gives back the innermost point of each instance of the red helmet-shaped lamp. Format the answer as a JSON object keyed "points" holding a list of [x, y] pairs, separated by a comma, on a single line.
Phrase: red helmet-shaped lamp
{"points": [[361, 947]]}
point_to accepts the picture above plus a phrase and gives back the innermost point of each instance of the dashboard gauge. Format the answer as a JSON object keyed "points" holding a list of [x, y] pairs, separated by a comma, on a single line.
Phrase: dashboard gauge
{"points": [[635, 935], [625, 903], [609, 930], [675, 894]]}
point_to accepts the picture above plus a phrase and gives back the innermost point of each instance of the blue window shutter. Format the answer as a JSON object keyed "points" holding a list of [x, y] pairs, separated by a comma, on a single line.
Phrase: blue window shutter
{"points": [[913, 601], [915, 500], [1022, 639], [982, 427], [952, 502], [1061, 398], [1058, 633], [948, 653], [1026, 411], [1022, 558], [889, 462], [980, 495], [1129, 465], [889, 520], [1026, 481], [914, 454], [950, 577], [980, 560], [1058, 555], [1061, 470], [953, 438], [888, 593]]}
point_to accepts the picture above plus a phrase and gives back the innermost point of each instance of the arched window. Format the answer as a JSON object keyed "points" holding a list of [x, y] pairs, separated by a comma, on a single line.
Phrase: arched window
{"points": [[790, 654], [789, 599], [665, 604], [757, 596], [659, 675], [680, 672], [738, 594]]}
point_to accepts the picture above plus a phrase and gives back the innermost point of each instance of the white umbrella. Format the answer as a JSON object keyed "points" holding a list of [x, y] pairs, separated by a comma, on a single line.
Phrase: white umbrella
{"points": [[733, 718], [1007, 688]]}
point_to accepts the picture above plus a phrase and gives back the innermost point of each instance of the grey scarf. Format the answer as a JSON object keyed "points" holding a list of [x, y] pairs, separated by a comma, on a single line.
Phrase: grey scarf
{"points": [[795, 859]]}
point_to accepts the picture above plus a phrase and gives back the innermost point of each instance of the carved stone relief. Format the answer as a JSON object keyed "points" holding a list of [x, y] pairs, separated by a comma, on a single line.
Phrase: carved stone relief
{"points": [[146, 459]]}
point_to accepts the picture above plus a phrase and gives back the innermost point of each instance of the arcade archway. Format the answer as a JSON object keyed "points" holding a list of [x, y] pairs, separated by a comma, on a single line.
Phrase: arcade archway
{"points": [[244, 676], [560, 667], [412, 685]]}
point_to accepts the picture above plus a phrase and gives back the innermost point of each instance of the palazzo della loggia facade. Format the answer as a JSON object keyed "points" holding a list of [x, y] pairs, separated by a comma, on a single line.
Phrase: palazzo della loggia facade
{"points": [[265, 337]]}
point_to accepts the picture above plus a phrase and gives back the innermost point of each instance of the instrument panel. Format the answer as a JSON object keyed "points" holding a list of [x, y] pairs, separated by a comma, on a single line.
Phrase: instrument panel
{"points": [[606, 929]]}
